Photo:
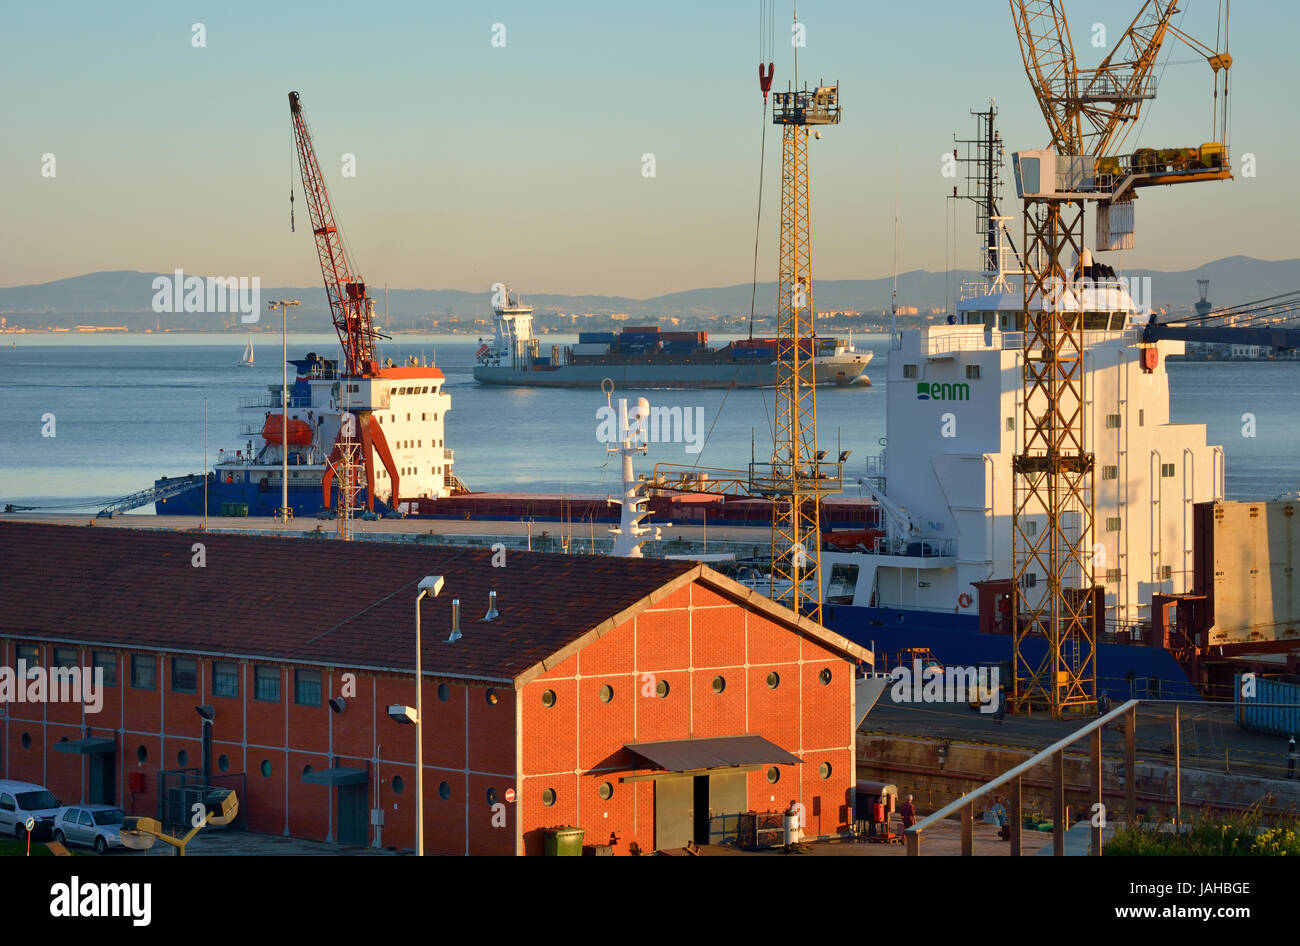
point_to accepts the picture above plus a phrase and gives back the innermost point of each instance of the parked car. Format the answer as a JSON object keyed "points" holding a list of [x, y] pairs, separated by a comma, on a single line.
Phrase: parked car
{"points": [[22, 800], [97, 826]]}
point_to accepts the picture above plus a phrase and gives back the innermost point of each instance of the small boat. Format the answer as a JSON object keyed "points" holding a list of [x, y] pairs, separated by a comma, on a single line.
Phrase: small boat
{"points": [[247, 360]]}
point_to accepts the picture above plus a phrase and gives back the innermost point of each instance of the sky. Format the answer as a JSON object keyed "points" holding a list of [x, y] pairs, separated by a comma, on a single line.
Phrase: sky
{"points": [[523, 162]]}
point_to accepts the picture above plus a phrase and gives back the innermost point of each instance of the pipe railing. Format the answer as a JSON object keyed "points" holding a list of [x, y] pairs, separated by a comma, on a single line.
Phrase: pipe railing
{"points": [[1056, 754]]}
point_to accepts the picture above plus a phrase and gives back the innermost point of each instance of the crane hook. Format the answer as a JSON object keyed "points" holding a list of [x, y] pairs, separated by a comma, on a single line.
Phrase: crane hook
{"points": [[291, 230], [765, 81]]}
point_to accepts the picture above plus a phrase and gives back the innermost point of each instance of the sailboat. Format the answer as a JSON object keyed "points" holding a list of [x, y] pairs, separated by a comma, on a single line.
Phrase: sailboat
{"points": [[247, 360]]}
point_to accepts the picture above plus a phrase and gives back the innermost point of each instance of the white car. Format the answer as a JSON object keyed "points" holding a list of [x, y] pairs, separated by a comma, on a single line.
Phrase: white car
{"points": [[22, 800], [97, 826]]}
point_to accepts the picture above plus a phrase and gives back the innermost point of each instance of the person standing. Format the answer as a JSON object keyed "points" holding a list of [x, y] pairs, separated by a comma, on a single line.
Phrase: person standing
{"points": [[908, 812], [1002, 704], [1290, 758]]}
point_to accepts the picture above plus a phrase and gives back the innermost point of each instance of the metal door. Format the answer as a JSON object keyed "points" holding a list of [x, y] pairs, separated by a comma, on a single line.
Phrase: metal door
{"points": [[674, 812], [101, 778], [728, 798], [353, 814]]}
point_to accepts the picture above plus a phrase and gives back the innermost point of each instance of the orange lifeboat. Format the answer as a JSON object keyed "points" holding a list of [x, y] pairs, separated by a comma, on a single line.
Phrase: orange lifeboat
{"points": [[299, 431]]}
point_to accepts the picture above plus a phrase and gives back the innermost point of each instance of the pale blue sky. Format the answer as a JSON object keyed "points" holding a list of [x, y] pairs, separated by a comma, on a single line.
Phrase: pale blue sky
{"points": [[523, 163]]}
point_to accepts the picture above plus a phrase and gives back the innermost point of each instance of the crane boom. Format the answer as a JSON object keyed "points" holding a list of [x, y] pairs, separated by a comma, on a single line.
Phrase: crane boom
{"points": [[349, 307]]}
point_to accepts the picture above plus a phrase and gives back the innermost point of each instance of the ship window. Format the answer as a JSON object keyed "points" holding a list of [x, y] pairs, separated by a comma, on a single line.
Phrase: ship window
{"points": [[1168, 469], [1112, 421], [843, 583], [910, 371], [1110, 472], [1031, 527], [1142, 418], [1011, 423], [1113, 576], [1166, 572], [424, 390], [973, 372], [1114, 524], [419, 443], [408, 416]]}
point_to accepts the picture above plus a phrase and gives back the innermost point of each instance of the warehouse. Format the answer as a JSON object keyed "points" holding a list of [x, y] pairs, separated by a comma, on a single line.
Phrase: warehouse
{"points": [[648, 703]]}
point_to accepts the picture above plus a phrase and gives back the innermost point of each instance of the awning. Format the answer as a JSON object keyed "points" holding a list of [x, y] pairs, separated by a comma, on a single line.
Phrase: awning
{"points": [[335, 776], [88, 746], [696, 755]]}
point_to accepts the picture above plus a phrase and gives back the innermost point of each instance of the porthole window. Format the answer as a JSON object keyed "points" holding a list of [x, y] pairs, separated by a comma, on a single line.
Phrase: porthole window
{"points": [[548, 698], [824, 770], [141, 754], [661, 689], [606, 693], [63, 739], [444, 790], [825, 676], [548, 797], [182, 758], [223, 763], [719, 684], [606, 790], [492, 796], [492, 698], [398, 784], [773, 681], [306, 769], [444, 692], [266, 768], [774, 775], [27, 740]]}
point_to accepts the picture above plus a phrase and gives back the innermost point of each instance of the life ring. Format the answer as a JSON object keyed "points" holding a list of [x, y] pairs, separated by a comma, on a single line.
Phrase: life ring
{"points": [[964, 600]]}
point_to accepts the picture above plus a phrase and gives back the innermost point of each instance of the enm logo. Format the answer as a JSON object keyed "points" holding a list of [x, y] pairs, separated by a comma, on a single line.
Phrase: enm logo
{"points": [[926, 391]]}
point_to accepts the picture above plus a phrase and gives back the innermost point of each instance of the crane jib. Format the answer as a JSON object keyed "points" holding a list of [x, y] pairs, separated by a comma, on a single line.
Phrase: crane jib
{"points": [[326, 230]]}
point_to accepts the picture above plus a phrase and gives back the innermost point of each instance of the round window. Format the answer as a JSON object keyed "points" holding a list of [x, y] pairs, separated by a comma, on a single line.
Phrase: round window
{"points": [[661, 689], [774, 775], [398, 784], [306, 769], [824, 770], [266, 768], [606, 791], [825, 676], [444, 692], [223, 763], [719, 684], [548, 698], [548, 797], [141, 754], [182, 758], [773, 680], [492, 796], [27, 741], [444, 790], [491, 697], [606, 693]]}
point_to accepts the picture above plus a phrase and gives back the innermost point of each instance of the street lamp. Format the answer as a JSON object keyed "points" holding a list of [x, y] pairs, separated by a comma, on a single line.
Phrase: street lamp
{"points": [[284, 513], [429, 586]]}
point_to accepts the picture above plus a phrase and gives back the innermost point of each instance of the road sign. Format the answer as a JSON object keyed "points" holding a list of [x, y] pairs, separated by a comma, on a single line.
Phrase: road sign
{"points": [[510, 794], [29, 824]]}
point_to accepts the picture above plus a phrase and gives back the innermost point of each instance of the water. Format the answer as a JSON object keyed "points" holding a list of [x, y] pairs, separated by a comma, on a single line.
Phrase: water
{"points": [[127, 410]]}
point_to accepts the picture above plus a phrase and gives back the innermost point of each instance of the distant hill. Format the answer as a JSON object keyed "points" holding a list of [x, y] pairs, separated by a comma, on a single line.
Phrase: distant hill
{"points": [[125, 297]]}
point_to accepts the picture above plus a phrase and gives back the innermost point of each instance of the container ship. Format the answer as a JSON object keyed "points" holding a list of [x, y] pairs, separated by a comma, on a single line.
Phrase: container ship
{"points": [[648, 358]]}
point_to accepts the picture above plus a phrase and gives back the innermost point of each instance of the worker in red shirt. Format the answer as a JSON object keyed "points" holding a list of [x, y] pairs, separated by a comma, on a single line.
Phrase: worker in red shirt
{"points": [[908, 812]]}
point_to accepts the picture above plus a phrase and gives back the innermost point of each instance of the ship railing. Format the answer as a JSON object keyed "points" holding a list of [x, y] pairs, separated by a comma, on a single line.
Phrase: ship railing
{"points": [[875, 467], [919, 548], [228, 457], [273, 401], [449, 455]]}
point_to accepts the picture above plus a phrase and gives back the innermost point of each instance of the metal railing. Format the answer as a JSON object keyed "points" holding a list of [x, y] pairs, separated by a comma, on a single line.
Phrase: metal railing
{"points": [[1012, 778]]}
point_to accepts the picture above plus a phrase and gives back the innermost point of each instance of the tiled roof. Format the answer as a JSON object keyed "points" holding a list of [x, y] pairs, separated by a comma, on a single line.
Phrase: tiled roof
{"points": [[310, 600]]}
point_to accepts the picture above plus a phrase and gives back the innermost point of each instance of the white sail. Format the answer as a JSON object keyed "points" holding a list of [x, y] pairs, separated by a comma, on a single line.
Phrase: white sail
{"points": [[247, 360]]}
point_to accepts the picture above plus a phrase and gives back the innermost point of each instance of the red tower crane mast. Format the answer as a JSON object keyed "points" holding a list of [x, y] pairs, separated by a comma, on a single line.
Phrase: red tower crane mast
{"points": [[350, 310]]}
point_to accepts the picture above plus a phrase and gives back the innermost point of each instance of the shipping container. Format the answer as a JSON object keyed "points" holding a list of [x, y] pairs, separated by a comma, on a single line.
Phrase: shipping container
{"points": [[1254, 714], [590, 349], [592, 338], [641, 330]]}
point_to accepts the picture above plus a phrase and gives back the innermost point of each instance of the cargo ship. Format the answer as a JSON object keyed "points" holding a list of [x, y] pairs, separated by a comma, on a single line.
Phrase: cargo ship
{"points": [[648, 358], [248, 481]]}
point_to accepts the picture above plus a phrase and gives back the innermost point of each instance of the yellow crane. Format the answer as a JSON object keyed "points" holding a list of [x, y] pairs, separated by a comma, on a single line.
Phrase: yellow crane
{"points": [[1090, 113]]}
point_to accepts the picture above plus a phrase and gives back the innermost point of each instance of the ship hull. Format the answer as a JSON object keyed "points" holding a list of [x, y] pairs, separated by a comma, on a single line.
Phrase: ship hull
{"points": [[830, 374], [304, 500]]}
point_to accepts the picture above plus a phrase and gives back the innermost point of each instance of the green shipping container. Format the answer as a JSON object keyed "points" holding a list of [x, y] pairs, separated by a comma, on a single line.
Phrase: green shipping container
{"points": [[564, 842]]}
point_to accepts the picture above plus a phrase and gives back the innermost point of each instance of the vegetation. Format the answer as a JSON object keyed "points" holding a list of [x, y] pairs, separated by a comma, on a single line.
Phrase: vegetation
{"points": [[1245, 834], [19, 849]]}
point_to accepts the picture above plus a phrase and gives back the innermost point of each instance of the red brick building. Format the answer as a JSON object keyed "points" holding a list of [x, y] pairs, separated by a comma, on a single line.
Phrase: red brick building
{"points": [[609, 694]]}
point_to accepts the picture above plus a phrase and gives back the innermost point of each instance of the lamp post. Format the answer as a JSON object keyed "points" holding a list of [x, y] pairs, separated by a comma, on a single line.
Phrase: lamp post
{"points": [[429, 586], [284, 513]]}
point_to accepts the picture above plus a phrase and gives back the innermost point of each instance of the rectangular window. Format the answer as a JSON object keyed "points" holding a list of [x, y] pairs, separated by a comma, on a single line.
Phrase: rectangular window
{"points": [[185, 675], [1166, 572], [1168, 469], [225, 679], [306, 687], [144, 672], [1110, 472], [1031, 527], [1114, 524], [1011, 423], [106, 660], [973, 372], [65, 656], [266, 684], [1142, 417], [911, 371], [1112, 421], [30, 654], [1112, 575]]}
